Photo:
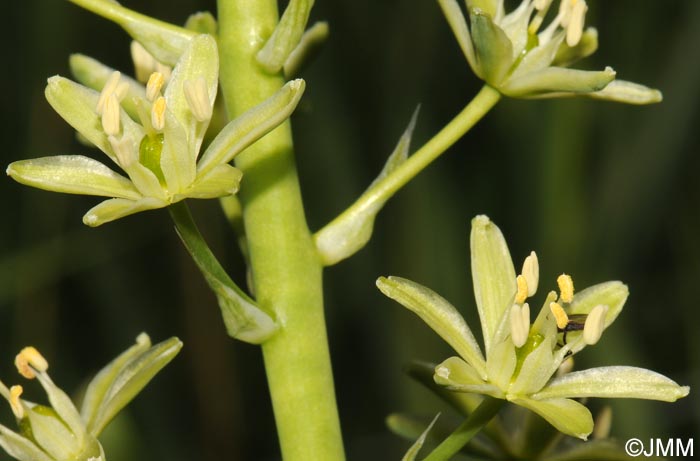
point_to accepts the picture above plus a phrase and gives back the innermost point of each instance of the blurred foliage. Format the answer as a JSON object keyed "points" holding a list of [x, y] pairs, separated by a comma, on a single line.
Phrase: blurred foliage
{"points": [[601, 191]]}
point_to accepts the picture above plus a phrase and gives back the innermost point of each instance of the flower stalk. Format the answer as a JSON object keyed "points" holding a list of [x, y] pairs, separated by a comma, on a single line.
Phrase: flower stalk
{"points": [[285, 267]]}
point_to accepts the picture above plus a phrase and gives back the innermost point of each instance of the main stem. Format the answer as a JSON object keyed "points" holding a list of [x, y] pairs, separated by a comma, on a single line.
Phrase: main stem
{"points": [[286, 270]]}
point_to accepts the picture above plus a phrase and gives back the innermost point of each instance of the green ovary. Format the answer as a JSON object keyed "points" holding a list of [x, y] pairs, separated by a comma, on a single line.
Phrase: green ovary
{"points": [[149, 154]]}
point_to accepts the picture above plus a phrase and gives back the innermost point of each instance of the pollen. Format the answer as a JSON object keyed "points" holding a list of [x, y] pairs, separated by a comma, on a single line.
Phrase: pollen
{"points": [[519, 324], [158, 114], [28, 361], [155, 83], [559, 315], [595, 324], [521, 294], [531, 272], [198, 98], [111, 116], [566, 288], [15, 403]]}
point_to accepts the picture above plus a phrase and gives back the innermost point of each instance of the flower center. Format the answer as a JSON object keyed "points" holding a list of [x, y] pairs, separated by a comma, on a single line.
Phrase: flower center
{"points": [[149, 154]]}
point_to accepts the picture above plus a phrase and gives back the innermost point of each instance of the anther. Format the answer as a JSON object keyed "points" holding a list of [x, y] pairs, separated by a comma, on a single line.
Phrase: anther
{"points": [[542, 4], [158, 114], [519, 324], [595, 323], [574, 29], [123, 150], [111, 85], [144, 62], [15, 403], [28, 361], [603, 423], [566, 288], [566, 366], [521, 293], [531, 272], [155, 84], [559, 315], [111, 116], [198, 98]]}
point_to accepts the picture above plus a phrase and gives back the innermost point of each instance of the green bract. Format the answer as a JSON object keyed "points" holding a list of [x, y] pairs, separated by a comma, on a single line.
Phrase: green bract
{"points": [[509, 52], [522, 359], [59, 432], [159, 148]]}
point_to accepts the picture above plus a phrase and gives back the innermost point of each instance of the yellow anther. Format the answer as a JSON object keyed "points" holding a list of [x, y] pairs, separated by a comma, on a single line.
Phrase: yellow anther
{"points": [[521, 294], [559, 315], [574, 29], [155, 84], [111, 116], [158, 114], [531, 272], [30, 360], [566, 288], [15, 403], [519, 324], [197, 97], [123, 150], [595, 324], [145, 64], [111, 86]]}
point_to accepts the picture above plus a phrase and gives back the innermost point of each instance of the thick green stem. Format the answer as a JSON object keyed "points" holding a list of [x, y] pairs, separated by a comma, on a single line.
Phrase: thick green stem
{"points": [[286, 270], [468, 429]]}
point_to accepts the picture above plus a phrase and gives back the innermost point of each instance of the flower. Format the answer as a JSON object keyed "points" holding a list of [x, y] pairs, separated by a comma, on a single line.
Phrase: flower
{"points": [[159, 148], [60, 432], [511, 54], [522, 358]]}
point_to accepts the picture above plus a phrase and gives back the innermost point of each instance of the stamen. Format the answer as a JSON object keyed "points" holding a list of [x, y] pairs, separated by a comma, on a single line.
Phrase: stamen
{"points": [[559, 315], [542, 4], [158, 114], [144, 62], [566, 288], [566, 366], [124, 150], [111, 85], [164, 70], [30, 360], [521, 294], [15, 403], [519, 324], [574, 30], [111, 116], [531, 272], [198, 98], [603, 423], [155, 84], [595, 323]]}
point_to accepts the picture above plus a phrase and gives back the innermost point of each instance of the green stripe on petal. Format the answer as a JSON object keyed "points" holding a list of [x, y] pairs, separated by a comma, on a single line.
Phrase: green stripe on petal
{"points": [[439, 314], [252, 125], [116, 208], [566, 415], [494, 51], [200, 60], [614, 382], [177, 158], [557, 79], [501, 364], [72, 174], [20, 447], [536, 370], [493, 275], [628, 92], [219, 182]]}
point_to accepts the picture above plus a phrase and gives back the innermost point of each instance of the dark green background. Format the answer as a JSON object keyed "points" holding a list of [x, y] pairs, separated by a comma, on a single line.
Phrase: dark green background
{"points": [[599, 190]]}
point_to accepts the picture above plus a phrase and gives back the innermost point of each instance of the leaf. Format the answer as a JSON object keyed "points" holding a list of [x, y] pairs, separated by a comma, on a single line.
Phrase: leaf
{"points": [[350, 232]]}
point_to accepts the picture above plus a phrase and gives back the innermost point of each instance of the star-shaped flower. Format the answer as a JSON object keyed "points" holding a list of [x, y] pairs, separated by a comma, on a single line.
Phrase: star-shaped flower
{"points": [[511, 54], [159, 149], [522, 358], [60, 432]]}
